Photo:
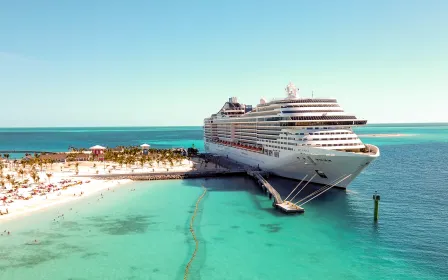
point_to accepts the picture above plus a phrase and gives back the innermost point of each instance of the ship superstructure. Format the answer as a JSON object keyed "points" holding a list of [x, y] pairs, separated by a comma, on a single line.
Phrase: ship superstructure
{"points": [[291, 137]]}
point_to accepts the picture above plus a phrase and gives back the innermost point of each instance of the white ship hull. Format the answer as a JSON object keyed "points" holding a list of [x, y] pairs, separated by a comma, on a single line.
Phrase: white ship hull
{"points": [[306, 161]]}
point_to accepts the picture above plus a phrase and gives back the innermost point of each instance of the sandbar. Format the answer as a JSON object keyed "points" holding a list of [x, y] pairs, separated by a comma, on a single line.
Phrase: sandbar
{"points": [[386, 135]]}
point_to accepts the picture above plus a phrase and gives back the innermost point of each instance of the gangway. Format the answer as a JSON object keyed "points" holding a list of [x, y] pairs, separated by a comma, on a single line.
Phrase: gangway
{"points": [[288, 205], [278, 202]]}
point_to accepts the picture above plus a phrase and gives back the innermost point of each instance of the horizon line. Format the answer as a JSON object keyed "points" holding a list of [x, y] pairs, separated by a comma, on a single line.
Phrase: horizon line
{"points": [[135, 126]]}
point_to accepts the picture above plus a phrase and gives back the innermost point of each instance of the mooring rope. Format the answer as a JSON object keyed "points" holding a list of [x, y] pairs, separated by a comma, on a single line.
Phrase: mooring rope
{"points": [[187, 268]]}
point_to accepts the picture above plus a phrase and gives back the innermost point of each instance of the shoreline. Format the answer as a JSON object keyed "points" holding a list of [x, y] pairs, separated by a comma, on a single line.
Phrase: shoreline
{"points": [[92, 177], [33, 206]]}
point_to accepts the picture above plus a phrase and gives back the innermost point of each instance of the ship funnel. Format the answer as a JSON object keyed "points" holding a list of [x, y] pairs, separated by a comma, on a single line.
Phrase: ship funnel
{"points": [[233, 100]]}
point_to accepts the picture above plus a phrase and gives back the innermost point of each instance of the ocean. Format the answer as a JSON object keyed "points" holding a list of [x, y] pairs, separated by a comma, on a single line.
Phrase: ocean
{"points": [[144, 234]]}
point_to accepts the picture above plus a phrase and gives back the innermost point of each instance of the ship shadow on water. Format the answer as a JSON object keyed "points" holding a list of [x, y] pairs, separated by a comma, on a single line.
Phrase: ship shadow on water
{"points": [[334, 200]]}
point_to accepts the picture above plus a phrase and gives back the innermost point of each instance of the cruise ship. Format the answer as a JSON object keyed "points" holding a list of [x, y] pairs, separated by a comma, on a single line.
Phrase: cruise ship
{"points": [[310, 139]]}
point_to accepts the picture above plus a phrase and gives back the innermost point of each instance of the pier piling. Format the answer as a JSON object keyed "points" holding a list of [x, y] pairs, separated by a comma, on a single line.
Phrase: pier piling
{"points": [[376, 199]]}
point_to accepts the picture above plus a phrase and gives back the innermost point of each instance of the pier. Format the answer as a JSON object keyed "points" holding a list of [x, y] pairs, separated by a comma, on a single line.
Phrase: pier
{"points": [[225, 166], [279, 203]]}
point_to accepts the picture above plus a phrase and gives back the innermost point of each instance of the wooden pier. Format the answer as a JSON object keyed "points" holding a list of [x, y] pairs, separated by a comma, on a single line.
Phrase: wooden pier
{"points": [[284, 206]]}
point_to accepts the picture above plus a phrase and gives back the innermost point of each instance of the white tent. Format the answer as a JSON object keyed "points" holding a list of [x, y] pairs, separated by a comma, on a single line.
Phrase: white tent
{"points": [[97, 147], [145, 146]]}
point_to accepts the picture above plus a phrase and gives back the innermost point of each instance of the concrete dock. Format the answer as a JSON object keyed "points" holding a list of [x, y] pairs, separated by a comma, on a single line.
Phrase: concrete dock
{"points": [[174, 175]]}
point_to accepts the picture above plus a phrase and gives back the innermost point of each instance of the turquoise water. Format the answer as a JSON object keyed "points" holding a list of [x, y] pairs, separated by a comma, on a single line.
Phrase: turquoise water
{"points": [[144, 234]]}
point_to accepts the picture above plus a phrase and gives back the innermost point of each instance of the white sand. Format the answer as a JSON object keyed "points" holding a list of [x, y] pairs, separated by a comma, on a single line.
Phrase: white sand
{"points": [[66, 171], [21, 207]]}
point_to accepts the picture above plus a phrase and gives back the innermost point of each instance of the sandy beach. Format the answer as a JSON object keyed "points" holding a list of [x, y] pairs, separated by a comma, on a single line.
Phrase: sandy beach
{"points": [[71, 181], [24, 207]]}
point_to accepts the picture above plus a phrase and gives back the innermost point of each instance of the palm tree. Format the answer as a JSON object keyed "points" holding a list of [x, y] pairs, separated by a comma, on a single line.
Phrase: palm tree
{"points": [[51, 161], [179, 158], [12, 181], [169, 158], [21, 172], [40, 162], [23, 163], [129, 160], [33, 176], [49, 176], [70, 157], [143, 159], [150, 160], [120, 160], [6, 156], [158, 160], [14, 163]]}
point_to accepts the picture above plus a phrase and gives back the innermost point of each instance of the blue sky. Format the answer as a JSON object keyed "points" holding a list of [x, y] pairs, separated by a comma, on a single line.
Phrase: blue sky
{"points": [[157, 63]]}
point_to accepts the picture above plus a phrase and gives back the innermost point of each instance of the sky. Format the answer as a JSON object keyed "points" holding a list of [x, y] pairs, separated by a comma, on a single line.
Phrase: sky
{"points": [[170, 63]]}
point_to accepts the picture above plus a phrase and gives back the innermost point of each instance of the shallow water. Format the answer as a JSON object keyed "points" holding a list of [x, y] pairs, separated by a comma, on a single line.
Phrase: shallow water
{"points": [[144, 234]]}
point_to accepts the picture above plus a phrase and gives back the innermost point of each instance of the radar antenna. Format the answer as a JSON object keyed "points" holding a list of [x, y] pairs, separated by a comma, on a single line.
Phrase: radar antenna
{"points": [[291, 90]]}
